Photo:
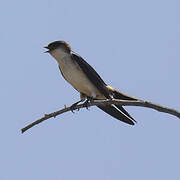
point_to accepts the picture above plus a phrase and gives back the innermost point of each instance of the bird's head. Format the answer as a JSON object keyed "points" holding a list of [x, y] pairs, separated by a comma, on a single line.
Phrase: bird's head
{"points": [[58, 49], [58, 45]]}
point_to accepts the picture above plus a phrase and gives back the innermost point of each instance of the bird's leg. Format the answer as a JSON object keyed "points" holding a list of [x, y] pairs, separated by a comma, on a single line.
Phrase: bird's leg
{"points": [[74, 105], [89, 99], [82, 98]]}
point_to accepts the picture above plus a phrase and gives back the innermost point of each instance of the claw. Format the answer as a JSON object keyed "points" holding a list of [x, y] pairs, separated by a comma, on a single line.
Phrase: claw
{"points": [[85, 104], [73, 106]]}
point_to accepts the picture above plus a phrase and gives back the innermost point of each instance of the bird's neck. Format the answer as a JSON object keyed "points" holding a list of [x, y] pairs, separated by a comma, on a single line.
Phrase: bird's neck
{"points": [[60, 55]]}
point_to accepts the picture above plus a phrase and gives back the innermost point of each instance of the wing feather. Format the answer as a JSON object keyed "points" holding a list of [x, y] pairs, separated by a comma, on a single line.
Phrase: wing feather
{"points": [[92, 75]]}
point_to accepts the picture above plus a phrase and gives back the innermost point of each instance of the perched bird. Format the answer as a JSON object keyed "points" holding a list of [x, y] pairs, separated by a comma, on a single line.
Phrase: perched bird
{"points": [[87, 81]]}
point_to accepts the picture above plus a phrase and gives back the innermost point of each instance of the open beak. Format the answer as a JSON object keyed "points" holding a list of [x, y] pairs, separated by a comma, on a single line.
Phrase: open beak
{"points": [[47, 50]]}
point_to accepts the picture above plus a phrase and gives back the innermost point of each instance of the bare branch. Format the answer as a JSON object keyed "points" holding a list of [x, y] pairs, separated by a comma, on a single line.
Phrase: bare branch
{"points": [[106, 102]]}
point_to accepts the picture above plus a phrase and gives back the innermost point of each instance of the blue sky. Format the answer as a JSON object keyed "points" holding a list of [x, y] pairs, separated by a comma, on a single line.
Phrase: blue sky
{"points": [[133, 45]]}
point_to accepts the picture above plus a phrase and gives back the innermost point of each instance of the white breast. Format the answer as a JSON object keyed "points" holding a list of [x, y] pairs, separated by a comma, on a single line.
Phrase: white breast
{"points": [[74, 75]]}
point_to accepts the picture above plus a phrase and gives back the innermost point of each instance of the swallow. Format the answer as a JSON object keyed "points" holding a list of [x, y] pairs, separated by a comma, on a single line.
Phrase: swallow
{"points": [[87, 81]]}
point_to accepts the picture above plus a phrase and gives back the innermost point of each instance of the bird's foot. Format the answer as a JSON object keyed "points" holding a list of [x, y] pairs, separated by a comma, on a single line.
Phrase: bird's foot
{"points": [[85, 104], [73, 106]]}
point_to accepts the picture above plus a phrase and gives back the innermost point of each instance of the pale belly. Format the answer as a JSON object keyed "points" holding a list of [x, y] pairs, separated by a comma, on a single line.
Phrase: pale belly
{"points": [[74, 75]]}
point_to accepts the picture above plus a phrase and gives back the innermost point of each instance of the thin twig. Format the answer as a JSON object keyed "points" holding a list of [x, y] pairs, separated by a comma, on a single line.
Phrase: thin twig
{"points": [[106, 102]]}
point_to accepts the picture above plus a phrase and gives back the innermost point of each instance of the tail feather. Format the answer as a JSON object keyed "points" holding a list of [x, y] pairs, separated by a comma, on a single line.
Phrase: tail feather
{"points": [[125, 112], [120, 114], [121, 95], [118, 111]]}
